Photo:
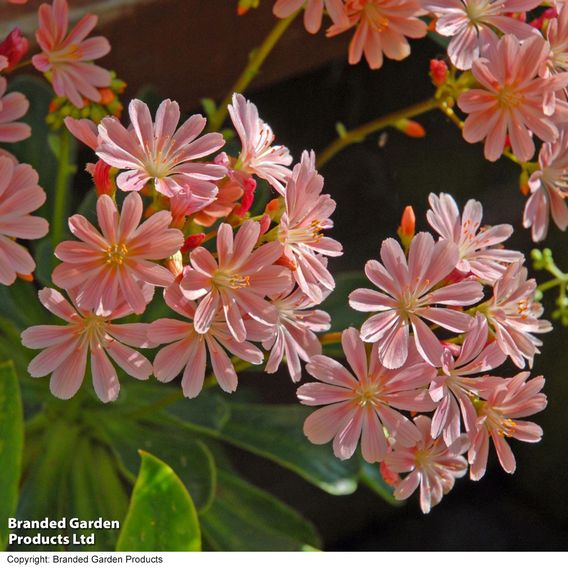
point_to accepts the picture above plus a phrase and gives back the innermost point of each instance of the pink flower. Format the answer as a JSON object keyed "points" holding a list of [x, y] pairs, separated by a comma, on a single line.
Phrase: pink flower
{"points": [[361, 406], [478, 250], [433, 466], [13, 48], [294, 334], [84, 130], [68, 58], [407, 298], [161, 152], [505, 401], [238, 280], [472, 23], [513, 314], [454, 386], [301, 228], [511, 99], [111, 268], [314, 12], [19, 196], [188, 348], [258, 156], [382, 26], [65, 347], [549, 188], [557, 37], [12, 107]]}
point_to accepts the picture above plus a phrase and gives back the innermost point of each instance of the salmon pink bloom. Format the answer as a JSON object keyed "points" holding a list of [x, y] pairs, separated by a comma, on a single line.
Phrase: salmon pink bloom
{"points": [[161, 152], [549, 188], [238, 280], [511, 100], [301, 229], [188, 348], [478, 248], [472, 23], [13, 48], [65, 347], [314, 12], [12, 107], [68, 58], [294, 334], [382, 27], [113, 267], [258, 156], [513, 314], [20, 194], [454, 386], [84, 130], [433, 466], [505, 401], [406, 298], [360, 405]]}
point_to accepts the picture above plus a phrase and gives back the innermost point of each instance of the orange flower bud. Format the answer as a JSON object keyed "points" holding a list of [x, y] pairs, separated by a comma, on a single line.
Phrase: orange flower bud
{"points": [[407, 224], [411, 128]]}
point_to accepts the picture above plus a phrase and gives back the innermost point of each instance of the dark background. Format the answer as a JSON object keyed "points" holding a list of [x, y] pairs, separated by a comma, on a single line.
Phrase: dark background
{"points": [[189, 49]]}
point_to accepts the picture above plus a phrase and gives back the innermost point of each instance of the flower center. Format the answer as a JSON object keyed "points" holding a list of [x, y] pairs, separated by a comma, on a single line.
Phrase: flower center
{"points": [[234, 281], [94, 328], [495, 421], [374, 17], [310, 234], [116, 254], [509, 97], [367, 393]]}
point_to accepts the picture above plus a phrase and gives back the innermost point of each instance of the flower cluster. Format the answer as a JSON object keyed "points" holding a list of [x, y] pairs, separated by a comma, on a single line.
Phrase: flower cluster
{"points": [[446, 314]]}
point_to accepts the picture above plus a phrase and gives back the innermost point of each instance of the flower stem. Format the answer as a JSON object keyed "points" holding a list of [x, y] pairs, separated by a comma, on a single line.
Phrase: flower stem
{"points": [[256, 59], [61, 187], [360, 133]]}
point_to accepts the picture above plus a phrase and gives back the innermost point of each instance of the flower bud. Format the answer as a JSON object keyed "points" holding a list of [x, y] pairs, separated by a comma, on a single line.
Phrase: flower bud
{"points": [[407, 226], [438, 72], [192, 242], [174, 263], [411, 128], [524, 182], [13, 48], [249, 187]]}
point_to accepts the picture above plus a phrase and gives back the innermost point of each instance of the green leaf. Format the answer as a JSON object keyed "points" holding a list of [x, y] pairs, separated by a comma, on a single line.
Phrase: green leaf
{"points": [[190, 458], [337, 305], [11, 446], [44, 260], [274, 432], [371, 476], [162, 516], [244, 517]]}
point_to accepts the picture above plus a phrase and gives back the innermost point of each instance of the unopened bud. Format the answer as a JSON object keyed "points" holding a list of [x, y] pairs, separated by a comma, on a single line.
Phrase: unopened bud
{"points": [[175, 263], [275, 208], [25, 277], [524, 182], [438, 72], [192, 242], [247, 199], [245, 5], [411, 128], [13, 48], [407, 226], [265, 222], [103, 179]]}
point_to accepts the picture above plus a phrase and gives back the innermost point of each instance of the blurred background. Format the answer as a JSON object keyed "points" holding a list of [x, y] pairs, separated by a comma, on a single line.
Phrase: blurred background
{"points": [[191, 49]]}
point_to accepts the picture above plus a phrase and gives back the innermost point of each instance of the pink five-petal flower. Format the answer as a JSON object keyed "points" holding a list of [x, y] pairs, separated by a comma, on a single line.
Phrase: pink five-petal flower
{"points": [[362, 404], [382, 27], [188, 348], [20, 194], [238, 280], [433, 466], [505, 400], [161, 152], [111, 267], [65, 347], [301, 228], [478, 248], [68, 57], [511, 98], [406, 298], [258, 155], [12, 107], [513, 313], [454, 386], [471, 23], [549, 188], [294, 335], [314, 12]]}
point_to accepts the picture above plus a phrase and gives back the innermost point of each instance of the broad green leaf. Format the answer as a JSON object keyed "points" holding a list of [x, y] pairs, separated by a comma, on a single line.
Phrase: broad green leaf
{"points": [[371, 476], [244, 517], [11, 446], [20, 304], [170, 442], [44, 261], [274, 432], [162, 516], [337, 304]]}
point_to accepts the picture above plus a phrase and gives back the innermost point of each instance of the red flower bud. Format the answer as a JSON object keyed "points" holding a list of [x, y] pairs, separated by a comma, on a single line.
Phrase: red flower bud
{"points": [[14, 47], [247, 200], [438, 72], [192, 242]]}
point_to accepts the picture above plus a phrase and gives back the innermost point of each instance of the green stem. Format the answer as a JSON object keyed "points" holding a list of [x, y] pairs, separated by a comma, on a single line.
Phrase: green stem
{"points": [[256, 59], [550, 284], [61, 187], [360, 133]]}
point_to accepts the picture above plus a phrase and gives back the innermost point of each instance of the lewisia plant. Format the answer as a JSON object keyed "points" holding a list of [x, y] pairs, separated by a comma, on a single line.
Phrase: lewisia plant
{"points": [[203, 252]]}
